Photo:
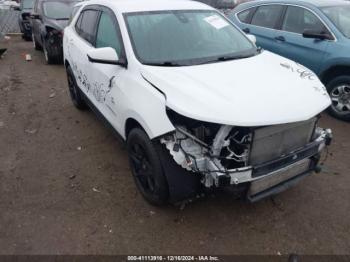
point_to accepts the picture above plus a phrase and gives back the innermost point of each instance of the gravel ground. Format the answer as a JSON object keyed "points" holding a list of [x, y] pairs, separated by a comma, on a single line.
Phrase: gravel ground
{"points": [[66, 187]]}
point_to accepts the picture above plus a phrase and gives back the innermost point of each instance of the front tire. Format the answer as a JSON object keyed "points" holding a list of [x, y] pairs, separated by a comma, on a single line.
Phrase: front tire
{"points": [[146, 168], [339, 91], [49, 58], [28, 38], [36, 45], [74, 90]]}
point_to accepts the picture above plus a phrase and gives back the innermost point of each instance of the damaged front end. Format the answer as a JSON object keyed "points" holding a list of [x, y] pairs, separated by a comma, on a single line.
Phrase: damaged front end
{"points": [[266, 159]]}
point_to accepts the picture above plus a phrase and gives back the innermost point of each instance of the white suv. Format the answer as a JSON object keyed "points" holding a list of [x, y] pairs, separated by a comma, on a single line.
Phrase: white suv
{"points": [[199, 105]]}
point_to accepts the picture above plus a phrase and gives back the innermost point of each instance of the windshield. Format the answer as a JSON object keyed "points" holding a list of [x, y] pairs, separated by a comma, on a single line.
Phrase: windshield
{"points": [[27, 4], [58, 10], [340, 16], [175, 38]]}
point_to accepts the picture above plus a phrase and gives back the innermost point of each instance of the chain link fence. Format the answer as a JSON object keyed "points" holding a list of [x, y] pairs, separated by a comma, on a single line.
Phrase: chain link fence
{"points": [[9, 21]]}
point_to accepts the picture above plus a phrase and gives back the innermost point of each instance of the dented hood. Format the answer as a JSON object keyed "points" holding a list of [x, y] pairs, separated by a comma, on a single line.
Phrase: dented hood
{"points": [[262, 90]]}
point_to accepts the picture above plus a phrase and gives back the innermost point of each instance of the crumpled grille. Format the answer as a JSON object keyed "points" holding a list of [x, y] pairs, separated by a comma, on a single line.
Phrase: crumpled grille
{"points": [[272, 142]]}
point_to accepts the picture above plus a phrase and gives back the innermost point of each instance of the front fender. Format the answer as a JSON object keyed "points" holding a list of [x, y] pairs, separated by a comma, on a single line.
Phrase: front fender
{"points": [[144, 103]]}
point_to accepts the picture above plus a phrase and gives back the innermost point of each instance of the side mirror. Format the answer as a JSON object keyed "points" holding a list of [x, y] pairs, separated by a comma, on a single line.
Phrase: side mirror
{"points": [[35, 16], [317, 35], [105, 55], [252, 38]]}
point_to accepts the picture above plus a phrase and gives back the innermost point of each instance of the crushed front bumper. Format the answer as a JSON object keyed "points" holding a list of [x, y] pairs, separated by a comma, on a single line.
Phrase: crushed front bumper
{"points": [[279, 174]]}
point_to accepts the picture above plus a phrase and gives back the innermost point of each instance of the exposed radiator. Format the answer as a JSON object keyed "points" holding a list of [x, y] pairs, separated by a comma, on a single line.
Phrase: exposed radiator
{"points": [[274, 141]]}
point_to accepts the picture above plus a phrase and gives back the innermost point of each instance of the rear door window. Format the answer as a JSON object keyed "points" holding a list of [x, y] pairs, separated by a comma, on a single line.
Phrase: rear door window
{"points": [[267, 16], [245, 16]]}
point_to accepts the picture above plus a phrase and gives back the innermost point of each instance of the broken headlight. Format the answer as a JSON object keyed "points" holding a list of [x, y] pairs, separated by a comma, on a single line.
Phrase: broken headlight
{"points": [[207, 148]]}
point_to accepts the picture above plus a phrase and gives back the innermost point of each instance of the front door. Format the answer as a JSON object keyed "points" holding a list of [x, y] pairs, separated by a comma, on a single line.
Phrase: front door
{"points": [[106, 78], [292, 44]]}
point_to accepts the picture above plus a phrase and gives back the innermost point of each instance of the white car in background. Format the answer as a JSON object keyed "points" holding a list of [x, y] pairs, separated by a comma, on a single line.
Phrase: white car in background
{"points": [[7, 5], [199, 105]]}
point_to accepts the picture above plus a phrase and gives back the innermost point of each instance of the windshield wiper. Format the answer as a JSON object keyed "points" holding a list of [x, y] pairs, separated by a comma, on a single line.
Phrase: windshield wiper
{"points": [[225, 58], [165, 63], [228, 58], [62, 18]]}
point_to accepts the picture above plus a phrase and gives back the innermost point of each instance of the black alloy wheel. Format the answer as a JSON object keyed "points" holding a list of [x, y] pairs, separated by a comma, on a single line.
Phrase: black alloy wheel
{"points": [[146, 168]]}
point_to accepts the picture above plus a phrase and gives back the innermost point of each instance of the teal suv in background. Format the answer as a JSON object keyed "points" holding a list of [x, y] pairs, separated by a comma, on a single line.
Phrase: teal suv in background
{"points": [[314, 33]]}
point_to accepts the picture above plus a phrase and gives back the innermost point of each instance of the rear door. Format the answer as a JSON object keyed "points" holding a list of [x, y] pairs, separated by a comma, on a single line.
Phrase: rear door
{"points": [[81, 41], [264, 23], [292, 44]]}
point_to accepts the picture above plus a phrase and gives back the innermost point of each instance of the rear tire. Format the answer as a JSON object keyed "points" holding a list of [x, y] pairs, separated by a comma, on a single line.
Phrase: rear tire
{"points": [[27, 38], [339, 91], [74, 90], [146, 168]]}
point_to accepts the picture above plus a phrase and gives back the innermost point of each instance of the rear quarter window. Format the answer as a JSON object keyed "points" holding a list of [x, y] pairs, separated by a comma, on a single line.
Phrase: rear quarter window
{"points": [[86, 25], [244, 16], [78, 23]]}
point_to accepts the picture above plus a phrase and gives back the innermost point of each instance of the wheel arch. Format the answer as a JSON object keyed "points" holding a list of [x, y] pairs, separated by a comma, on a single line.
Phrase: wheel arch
{"points": [[334, 71], [130, 124], [181, 183]]}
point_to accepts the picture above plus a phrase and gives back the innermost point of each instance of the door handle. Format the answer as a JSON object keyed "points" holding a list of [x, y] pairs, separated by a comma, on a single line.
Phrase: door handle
{"points": [[280, 38], [246, 30], [111, 82]]}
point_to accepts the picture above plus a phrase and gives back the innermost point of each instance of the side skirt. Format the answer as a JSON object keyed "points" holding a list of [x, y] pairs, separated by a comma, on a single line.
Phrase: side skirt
{"points": [[102, 118]]}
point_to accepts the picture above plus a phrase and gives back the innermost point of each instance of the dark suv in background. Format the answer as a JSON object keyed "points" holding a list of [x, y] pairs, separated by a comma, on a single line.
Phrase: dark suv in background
{"points": [[25, 9], [223, 5], [49, 18]]}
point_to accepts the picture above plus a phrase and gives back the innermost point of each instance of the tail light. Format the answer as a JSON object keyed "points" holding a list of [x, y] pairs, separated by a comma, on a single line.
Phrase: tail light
{"points": [[54, 32]]}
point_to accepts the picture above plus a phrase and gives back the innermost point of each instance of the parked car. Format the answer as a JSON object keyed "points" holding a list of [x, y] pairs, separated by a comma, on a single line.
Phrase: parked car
{"points": [[75, 9], [311, 32], [223, 5], [8, 5], [199, 106], [25, 8], [49, 18], [3, 44]]}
